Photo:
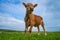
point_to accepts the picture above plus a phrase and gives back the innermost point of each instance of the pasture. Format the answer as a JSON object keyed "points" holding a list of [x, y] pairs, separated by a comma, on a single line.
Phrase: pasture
{"points": [[18, 35]]}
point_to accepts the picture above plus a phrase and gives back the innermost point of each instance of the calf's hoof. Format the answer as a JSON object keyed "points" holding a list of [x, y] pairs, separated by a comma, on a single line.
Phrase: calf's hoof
{"points": [[45, 34]]}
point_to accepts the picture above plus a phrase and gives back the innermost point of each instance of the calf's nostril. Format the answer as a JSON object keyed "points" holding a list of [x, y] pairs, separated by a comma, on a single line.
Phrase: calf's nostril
{"points": [[31, 9]]}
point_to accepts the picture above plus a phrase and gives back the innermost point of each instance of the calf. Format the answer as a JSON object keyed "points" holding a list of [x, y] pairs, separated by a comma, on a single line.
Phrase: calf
{"points": [[32, 19]]}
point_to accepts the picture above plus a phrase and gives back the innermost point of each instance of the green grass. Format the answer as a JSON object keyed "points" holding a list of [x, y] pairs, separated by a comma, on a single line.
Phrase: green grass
{"points": [[5, 35]]}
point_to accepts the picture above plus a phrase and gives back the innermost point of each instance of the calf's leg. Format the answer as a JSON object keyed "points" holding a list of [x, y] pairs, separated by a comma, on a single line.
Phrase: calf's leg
{"points": [[26, 28], [42, 24], [38, 30], [30, 30]]}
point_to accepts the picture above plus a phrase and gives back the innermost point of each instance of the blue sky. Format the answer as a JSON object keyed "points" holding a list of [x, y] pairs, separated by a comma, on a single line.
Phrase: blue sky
{"points": [[12, 14]]}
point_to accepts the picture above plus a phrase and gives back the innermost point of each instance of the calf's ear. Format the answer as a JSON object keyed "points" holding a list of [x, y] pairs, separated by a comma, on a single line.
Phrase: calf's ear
{"points": [[35, 5], [24, 4]]}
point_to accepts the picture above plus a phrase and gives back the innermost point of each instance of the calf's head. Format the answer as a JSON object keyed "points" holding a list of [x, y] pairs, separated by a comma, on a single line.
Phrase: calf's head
{"points": [[29, 7]]}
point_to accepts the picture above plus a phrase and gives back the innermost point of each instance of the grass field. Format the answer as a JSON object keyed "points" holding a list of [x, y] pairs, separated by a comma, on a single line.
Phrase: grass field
{"points": [[9, 35]]}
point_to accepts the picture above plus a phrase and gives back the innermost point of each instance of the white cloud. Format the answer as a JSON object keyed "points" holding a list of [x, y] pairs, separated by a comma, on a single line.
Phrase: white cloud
{"points": [[11, 22]]}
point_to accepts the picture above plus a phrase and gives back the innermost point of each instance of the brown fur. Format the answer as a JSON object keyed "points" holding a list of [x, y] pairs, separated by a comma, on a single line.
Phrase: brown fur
{"points": [[32, 19]]}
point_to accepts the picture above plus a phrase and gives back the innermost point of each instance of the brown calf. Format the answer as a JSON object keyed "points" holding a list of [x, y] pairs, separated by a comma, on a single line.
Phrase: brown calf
{"points": [[31, 19]]}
